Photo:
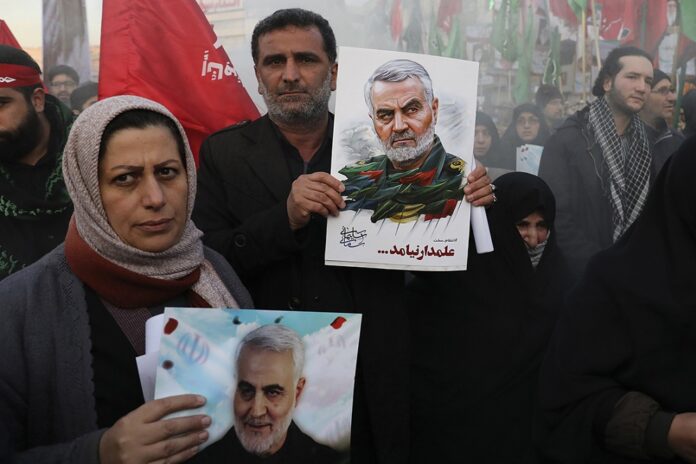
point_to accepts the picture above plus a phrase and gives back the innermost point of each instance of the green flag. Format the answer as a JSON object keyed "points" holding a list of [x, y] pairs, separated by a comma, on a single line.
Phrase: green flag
{"points": [[552, 70], [579, 6], [505, 25], [445, 44], [688, 18], [520, 91]]}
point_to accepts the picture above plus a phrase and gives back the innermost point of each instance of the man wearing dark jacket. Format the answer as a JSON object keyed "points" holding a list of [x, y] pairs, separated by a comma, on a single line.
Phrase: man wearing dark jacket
{"points": [[657, 115], [264, 191], [598, 164], [34, 205]]}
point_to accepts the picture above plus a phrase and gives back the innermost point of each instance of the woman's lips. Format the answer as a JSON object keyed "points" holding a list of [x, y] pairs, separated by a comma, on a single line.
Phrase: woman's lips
{"points": [[157, 225]]}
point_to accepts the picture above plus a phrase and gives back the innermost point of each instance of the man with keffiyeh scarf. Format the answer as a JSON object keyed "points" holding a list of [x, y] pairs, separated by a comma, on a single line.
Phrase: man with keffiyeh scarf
{"points": [[599, 163], [34, 205]]}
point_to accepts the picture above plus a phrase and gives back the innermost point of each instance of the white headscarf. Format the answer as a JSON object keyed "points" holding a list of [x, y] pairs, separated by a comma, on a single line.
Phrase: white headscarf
{"points": [[81, 173]]}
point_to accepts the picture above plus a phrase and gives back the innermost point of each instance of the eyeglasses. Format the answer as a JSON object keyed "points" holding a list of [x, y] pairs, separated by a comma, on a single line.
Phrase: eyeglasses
{"points": [[664, 91], [63, 84], [527, 121]]}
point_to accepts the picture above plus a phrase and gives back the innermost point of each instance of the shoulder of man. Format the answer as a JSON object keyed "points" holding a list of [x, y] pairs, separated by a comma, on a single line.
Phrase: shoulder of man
{"points": [[574, 133], [308, 447], [454, 164], [233, 139], [60, 117], [233, 128]]}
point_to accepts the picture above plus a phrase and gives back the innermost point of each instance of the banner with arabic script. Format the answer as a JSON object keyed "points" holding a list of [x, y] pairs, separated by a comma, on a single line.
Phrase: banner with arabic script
{"points": [[169, 53], [402, 146]]}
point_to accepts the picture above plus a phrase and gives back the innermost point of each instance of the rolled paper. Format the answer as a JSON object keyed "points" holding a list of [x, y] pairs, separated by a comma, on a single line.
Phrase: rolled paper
{"points": [[479, 226]]}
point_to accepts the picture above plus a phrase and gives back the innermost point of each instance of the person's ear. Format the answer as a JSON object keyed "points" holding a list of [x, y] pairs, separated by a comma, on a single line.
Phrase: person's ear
{"points": [[334, 75], [38, 99], [299, 388], [258, 80], [606, 85], [435, 105]]}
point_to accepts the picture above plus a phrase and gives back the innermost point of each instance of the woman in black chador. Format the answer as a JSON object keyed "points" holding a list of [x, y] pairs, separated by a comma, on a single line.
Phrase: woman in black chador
{"points": [[528, 127], [479, 336], [619, 381]]}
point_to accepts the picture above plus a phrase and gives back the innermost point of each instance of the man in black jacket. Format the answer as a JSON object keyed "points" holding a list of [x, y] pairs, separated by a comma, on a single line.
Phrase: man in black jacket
{"points": [[264, 193], [34, 205], [598, 163]]}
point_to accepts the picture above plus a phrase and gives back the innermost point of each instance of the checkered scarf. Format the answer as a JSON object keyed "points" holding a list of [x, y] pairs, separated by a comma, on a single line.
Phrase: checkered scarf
{"points": [[628, 163]]}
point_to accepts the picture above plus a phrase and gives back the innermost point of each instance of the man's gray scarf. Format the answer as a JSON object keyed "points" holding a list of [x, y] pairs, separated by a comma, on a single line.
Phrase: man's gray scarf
{"points": [[628, 163]]}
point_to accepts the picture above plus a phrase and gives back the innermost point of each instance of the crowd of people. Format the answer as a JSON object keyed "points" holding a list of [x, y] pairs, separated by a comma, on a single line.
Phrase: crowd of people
{"points": [[571, 342]]}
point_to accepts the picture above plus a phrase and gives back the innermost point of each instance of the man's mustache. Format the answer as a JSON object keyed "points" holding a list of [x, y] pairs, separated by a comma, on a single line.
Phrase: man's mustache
{"points": [[290, 88], [257, 422], [407, 135]]}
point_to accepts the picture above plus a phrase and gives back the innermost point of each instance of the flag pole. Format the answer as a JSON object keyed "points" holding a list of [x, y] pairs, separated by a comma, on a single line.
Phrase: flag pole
{"points": [[643, 23], [596, 37], [680, 91], [675, 58], [583, 33]]}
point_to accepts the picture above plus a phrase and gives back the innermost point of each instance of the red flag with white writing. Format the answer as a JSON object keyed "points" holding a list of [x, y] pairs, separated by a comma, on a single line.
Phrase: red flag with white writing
{"points": [[167, 51], [6, 35]]}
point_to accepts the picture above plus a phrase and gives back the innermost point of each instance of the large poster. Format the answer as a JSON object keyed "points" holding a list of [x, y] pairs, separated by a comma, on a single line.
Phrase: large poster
{"points": [[402, 146], [272, 380], [65, 38]]}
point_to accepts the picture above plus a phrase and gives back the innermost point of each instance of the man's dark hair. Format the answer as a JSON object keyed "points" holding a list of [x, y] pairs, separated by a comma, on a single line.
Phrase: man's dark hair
{"points": [[612, 66], [545, 94], [83, 93], [294, 17], [62, 69], [141, 119], [12, 55]]}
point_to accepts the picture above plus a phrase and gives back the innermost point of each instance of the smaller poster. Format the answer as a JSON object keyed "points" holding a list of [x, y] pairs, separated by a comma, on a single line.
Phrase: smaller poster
{"points": [[276, 383], [528, 158], [403, 147]]}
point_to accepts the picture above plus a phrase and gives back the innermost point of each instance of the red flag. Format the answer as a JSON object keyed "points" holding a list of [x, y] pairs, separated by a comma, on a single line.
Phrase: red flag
{"points": [[620, 20], [447, 13], [167, 51], [6, 35], [655, 25], [561, 9]]}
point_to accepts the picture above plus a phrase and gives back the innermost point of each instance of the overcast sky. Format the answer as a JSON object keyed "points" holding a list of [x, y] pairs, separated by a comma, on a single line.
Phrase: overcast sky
{"points": [[24, 19]]}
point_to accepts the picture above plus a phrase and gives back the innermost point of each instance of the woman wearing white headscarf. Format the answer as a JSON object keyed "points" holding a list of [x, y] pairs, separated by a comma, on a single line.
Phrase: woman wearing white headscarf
{"points": [[73, 322]]}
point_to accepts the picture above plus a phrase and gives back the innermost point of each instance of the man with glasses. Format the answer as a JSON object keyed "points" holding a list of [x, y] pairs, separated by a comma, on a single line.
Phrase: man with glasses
{"points": [[657, 114], [62, 80]]}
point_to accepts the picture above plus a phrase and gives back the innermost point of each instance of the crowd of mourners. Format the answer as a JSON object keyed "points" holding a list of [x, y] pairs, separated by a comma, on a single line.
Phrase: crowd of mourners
{"points": [[573, 341]]}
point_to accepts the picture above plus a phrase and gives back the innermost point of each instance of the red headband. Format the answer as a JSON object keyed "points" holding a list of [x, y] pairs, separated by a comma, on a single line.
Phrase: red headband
{"points": [[17, 75]]}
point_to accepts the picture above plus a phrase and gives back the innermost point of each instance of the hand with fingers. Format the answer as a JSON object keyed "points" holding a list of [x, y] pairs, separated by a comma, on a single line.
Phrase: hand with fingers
{"points": [[479, 189], [143, 436], [316, 193], [681, 436]]}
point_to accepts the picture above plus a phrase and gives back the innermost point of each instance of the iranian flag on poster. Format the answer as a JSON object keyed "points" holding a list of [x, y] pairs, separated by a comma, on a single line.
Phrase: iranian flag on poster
{"points": [[167, 51]]}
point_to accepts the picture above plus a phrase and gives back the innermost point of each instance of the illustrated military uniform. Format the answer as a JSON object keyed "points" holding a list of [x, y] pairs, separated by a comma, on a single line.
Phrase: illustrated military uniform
{"points": [[433, 189]]}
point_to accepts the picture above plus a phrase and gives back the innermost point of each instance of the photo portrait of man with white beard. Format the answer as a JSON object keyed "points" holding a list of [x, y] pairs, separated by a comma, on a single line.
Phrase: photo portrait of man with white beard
{"points": [[415, 175], [269, 365]]}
